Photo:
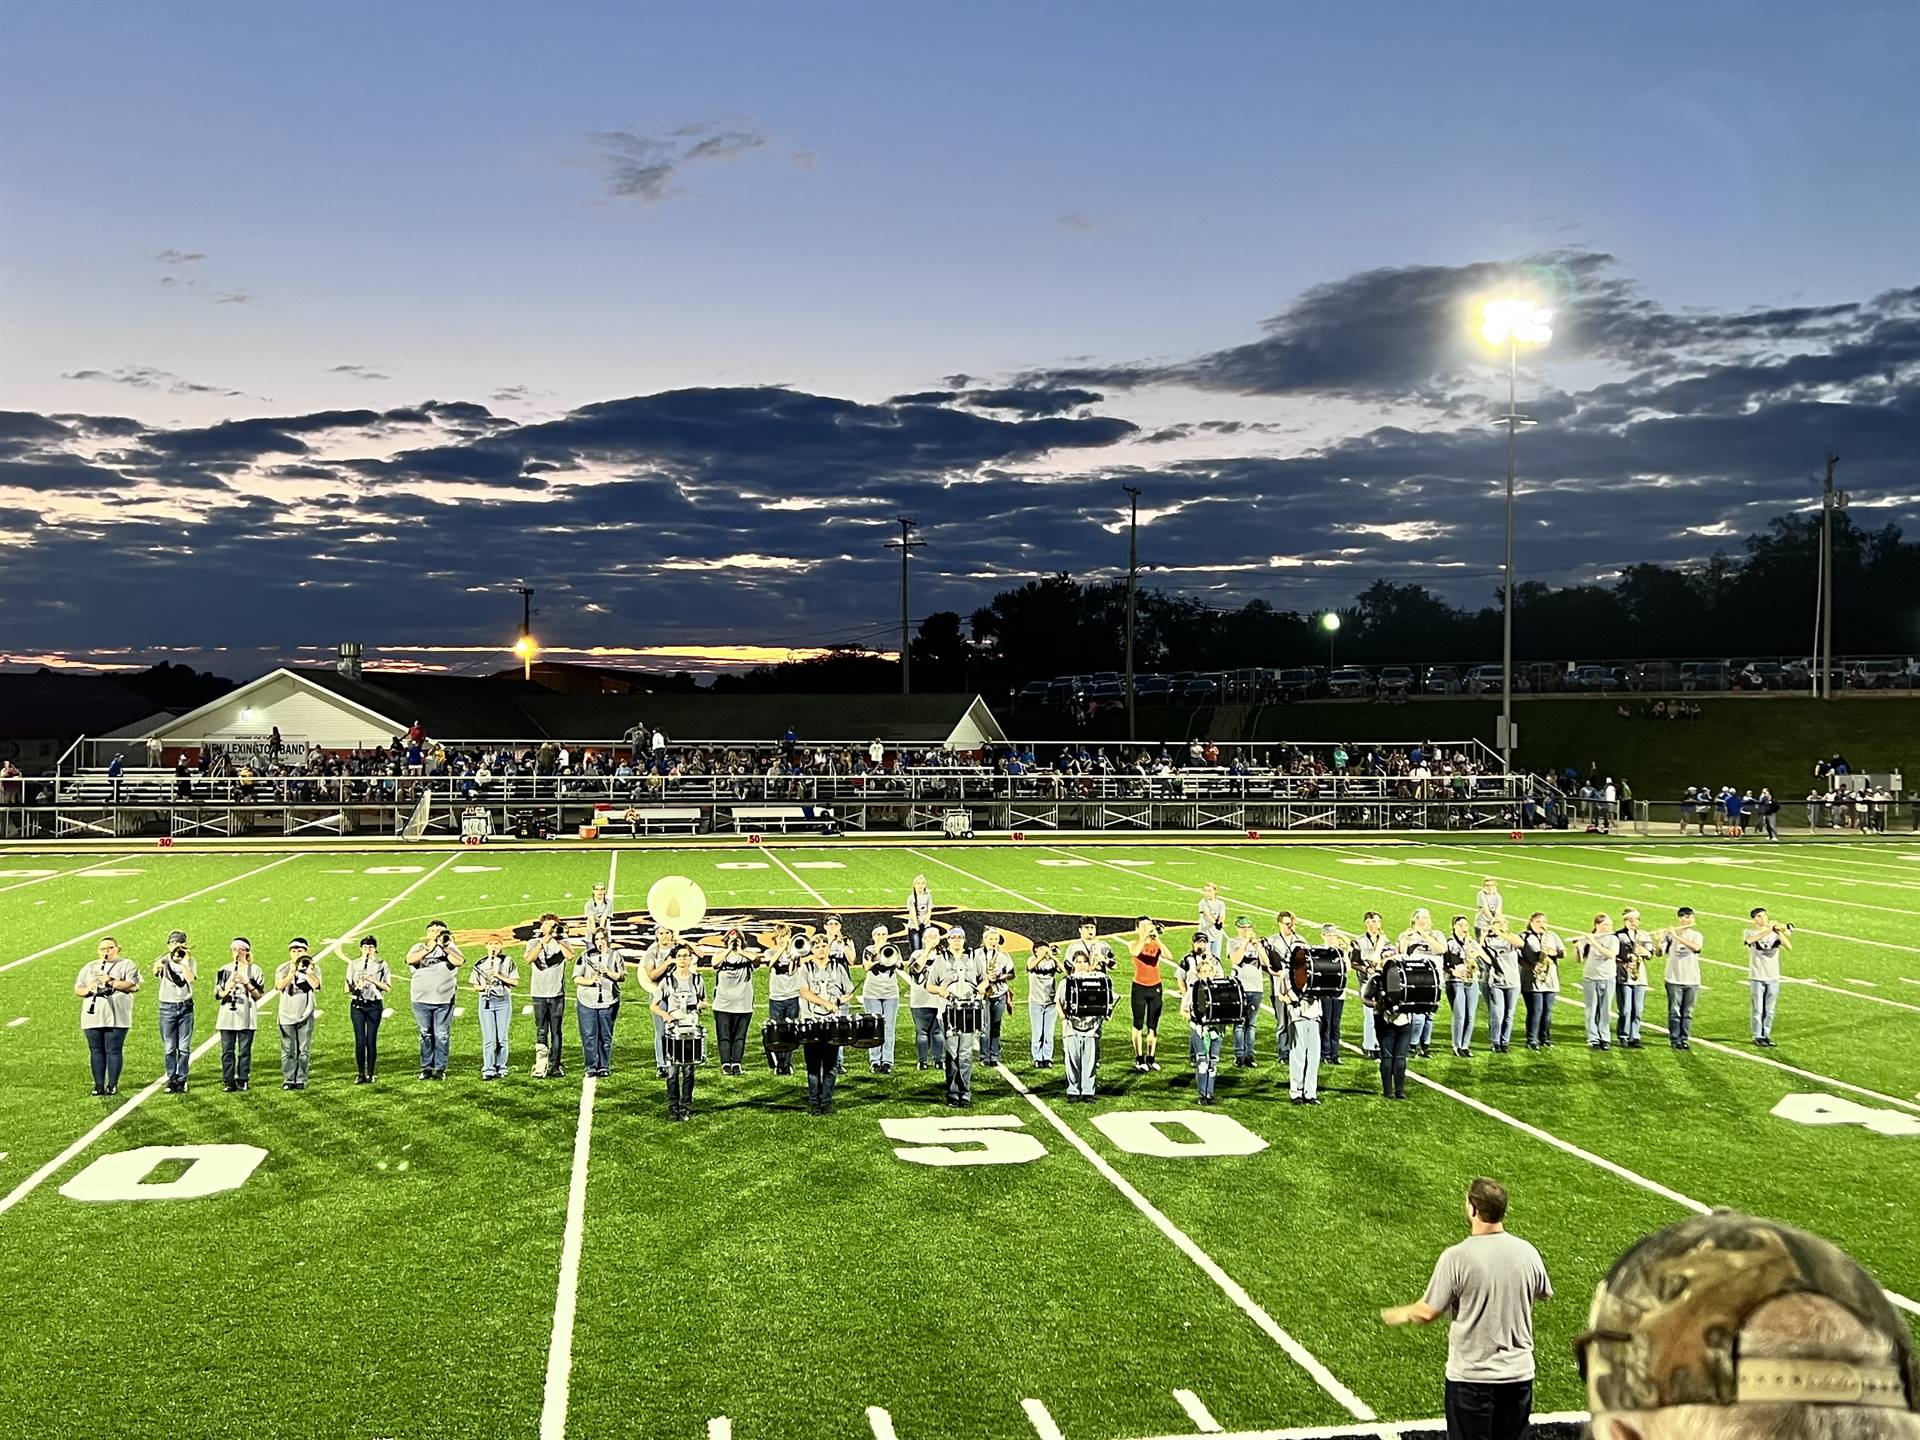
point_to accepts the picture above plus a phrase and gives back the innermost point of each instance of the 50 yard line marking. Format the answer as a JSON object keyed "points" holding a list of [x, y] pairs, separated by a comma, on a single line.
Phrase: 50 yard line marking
{"points": [[1230, 1287], [553, 1403], [794, 876], [27, 1186]]}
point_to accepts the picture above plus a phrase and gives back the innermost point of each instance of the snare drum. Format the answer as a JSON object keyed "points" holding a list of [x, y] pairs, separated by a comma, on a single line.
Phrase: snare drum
{"points": [[686, 1047], [1088, 997], [1218, 1002], [1320, 973], [966, 1017], [858, 1031]]}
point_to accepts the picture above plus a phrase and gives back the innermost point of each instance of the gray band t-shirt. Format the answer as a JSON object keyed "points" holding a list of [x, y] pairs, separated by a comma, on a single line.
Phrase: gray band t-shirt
{"points": [[1487, 1284]]}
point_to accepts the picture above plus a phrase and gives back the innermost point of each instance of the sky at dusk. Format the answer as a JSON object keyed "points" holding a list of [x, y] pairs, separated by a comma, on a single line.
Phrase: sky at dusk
{"points": [[338, 322]]}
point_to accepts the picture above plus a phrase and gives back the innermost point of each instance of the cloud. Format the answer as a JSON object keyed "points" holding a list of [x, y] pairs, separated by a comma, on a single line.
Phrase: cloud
{"points": [[233, 297], [644, 167], [170, 256], [803, 159], [510, 394], [359, 372], [1075, 220], [147, 377]]}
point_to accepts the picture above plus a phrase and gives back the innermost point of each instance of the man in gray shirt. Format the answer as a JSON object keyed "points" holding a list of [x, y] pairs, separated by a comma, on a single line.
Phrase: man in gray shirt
{"points": [[298, 982], [549, 966], [175, 971], [1487, 1286]]}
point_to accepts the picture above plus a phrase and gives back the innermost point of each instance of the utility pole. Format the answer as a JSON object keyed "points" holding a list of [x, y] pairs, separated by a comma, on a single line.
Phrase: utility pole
{"points": [[906, 544], [1828, 502], [524, 646], [1133, 572]]}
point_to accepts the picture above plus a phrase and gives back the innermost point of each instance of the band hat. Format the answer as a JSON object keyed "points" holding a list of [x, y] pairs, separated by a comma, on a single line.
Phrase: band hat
{"points": [[1665, 1325], [1245, 922]]}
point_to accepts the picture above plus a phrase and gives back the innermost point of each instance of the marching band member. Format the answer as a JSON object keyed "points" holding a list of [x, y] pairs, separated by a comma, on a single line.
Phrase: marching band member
{"points": [[175, 972], [1206, 1038], [106, 983], [368, 980], [1462, 969], [1366, 960], [1420, 935], [826, 985], [958, 975], [1333, 1009], [435, 963], [1043, 1004], [1765, 939], [654, 963], [923, 1006], [1393, 1028], [880, 995], [1540, 953], [1080, 1044], [1682, 944], [1213, 918], [494, 979], [238, 986], [920, 935], [999, 992], [597, 974], [298, 982], [1280, 947], [839, 948], [677, 1001], [1487, 908], [1303, 1067], [1630, 981], [733, 1001], [1146, 997], [1244, 957], [1200, 947], [599, 909], [1503, 983], [1599, 961], [549, 963], [783, 990]]}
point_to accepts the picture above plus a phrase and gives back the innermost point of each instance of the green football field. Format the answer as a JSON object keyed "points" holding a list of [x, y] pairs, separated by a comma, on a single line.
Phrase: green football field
{"points": [[552, 1258]]}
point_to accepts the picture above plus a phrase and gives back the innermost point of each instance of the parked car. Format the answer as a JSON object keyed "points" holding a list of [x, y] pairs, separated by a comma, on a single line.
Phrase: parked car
{"points": [[1593, 678], [1201, 687], [1654, 675], [1060, 692], [1034, 692], [1350, 682], [1706, 675], [1396, 679], [1875, 674], [1763, 675], [1543, 676], [1487, 679], [1441, 680], [1295, 684], [1155, 688], [1107, 691]]}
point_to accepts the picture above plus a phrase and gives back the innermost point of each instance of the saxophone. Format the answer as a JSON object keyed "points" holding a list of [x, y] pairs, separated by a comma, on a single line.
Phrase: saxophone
{"points": [[1633, 965]]}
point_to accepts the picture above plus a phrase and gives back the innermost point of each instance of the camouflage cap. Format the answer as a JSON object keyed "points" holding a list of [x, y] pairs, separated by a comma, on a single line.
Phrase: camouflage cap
{"points": [[1665, 1325]]}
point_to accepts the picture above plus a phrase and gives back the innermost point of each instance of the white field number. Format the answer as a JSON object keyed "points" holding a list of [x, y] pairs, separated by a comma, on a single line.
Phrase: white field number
{"points": [[209, 1170], [1832, 1110], [1001, 1140]]}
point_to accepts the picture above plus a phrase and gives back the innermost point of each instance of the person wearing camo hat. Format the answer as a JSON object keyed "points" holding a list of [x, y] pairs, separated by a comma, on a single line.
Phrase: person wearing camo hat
{"points": [[1729, 1327]]}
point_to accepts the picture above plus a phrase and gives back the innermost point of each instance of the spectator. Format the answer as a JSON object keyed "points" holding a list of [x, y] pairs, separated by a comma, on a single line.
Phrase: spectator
{"points": [[114, 768], [1769, 808], [416, 734], [156, 752]]}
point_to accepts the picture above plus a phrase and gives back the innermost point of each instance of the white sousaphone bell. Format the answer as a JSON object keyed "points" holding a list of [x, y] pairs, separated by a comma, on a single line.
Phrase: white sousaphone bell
{"points": [[675, 903]]}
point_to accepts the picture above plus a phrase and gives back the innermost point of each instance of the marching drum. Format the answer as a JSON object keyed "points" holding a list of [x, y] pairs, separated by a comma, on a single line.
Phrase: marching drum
{"points": [[1320, 973], [1087, 997], [859, 1030], [966, 1017], [1410, 985], [1218, 1002], [686, 1047]]}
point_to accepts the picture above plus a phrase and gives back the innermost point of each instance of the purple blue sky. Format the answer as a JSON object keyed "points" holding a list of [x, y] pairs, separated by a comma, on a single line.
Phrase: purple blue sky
{"points": [[338, 322]]}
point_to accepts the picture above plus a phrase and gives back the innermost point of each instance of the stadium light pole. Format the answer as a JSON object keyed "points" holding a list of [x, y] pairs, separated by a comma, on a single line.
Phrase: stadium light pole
{"points": [[1511, 323], [524, 646], [1330, 623], [1133, 572], [906, 544]]}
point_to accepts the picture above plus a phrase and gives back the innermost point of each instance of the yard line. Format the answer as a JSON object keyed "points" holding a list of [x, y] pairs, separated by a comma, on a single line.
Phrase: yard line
{"points": [[982, 880], [151, 910], [553, 1403], [720, 1428], [1709, 1044], [59, 874], [881, 1423], [794, 876], [1202, 1417], [1365, 1432], [1042, 1421], [1230, 1287], [1610, 1166], [27, 1186]]}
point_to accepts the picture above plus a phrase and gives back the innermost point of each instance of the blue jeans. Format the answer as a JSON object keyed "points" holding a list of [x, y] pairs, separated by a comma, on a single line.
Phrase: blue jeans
{"points": [[680, 1088], [366, 1036], [784, 1009], [997, 1008], [659, 1041], [1283, 1026], [176, 1037], [1766, 994], [1369, 1033], [1500, 1013], [496, 1018], [1632, 1010], [821, 1060], [1420, 1038], [1598, 994], [1042, 1021], [1303, 1074], [889, 1012], [1680, 1002], [1540, 1016], [105, 1047], [236, 1056], [436, 1031], [296, 1050], [960, 1050], [1206, 1044], [1331, 1011], [1463, 1000], [1081, 1049], [1246, 1031], [1395, 1042], [596, 1037], [929, 1039]]}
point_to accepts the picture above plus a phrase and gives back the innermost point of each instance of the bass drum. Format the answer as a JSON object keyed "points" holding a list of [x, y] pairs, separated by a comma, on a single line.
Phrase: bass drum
{"points": [[1087, 997], [1410, 985], [1319, 973], [1219, 1002]]}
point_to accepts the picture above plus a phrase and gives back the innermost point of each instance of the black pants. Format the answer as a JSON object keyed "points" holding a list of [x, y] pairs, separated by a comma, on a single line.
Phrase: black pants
{"points": [[1331, 1012], [680, 1090], [365, 1015], [731, 1028], [1395, 1041], [549, 1025], [787, 1008], [1489, 1412], [821, 1060]]}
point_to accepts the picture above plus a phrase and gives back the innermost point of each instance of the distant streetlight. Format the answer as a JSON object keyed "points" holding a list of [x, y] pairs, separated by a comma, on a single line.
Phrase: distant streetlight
{"points": [[1330, 623], [525, 648], [1511, 323]]}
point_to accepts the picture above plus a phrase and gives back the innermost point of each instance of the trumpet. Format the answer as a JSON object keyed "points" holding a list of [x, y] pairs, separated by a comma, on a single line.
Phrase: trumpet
{"points": [[887, 957], [801, 946], [1103, 954]]}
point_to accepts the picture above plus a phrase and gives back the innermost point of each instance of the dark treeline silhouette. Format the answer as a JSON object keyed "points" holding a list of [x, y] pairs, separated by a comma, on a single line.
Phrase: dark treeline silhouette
{"points": [[1758, 603]]}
